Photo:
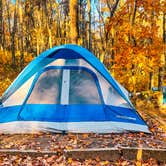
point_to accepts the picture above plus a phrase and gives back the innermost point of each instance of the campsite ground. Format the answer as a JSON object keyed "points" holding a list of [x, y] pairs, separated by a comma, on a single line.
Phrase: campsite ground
{"points": [[155, 118]]}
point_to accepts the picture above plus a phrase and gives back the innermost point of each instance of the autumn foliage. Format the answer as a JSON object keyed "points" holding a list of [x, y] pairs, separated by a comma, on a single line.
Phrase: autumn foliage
{"points": [[127, 36]]}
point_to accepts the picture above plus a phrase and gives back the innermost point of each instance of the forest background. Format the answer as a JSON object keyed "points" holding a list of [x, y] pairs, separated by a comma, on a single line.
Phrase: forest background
{"points": [[128, 36]]}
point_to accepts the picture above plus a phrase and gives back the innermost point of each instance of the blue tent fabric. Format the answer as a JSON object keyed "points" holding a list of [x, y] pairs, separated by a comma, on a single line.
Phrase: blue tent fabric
{"points": [[41, 61], [57, 113], [101, 118]]}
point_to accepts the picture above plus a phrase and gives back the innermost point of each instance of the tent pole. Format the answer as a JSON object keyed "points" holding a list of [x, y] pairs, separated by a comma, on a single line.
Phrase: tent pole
{"points": [[65, 87]]}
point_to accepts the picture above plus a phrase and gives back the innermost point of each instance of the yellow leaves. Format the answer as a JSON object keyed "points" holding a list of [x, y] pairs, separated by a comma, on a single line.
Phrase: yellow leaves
{"points": [[69, 160], [139, 44], [68, 147], [139, 157], [102, 57], [80, 41], [5, 57], [104, 163], [73, 21], [4, 85], [55, 5], [89, 5], [20, 14], [28, 57], [162, 59], [105, 9], [85, 136]]}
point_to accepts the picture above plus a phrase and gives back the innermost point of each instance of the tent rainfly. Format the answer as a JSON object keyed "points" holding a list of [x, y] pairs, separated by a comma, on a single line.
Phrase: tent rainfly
{"points": [[67, 89]]}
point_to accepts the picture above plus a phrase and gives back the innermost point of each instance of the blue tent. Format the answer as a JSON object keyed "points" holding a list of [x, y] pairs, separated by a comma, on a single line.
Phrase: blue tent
{"points": [[67, 88]]}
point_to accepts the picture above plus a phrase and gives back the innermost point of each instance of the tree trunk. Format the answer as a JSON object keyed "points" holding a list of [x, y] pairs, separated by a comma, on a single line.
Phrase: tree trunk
{"points": [[161, 69], [164, 28], [111, 35], [37, 45], [164, 40], [160, 79], [48, 24], [73, 21], [83, 23], [49, 36], [131, 38], [150, 80], [21, 37], [90, 33], [1, 25], [13, 34]]}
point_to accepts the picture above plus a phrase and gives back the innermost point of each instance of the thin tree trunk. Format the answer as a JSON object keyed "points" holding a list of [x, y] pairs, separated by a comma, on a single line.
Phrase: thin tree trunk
{"points": [[132, 40], [37, 45], [1, 24], [164, 39], [21, 37], [112, 10], [150, 80], [73, 21], [13, 34], [49, 36], [102, 53], [90, 33], [160, 79], [161, 69], [83, 27], [164, 28], [48, 24]]}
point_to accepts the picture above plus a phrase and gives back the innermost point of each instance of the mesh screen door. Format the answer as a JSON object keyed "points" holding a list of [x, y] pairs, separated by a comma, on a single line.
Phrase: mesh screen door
{"points": [[65, 86]]}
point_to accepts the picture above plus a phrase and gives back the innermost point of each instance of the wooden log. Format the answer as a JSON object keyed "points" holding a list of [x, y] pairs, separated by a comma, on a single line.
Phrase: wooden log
{"points": [[34, 153], [113, 154], [110, 154]]}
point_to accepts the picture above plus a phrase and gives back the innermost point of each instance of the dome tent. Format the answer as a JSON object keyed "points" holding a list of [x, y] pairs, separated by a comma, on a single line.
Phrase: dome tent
{"points": [[67, 88]]}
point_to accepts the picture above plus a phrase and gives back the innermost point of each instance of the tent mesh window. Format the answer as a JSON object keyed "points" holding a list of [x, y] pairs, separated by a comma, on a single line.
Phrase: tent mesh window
{"points": [[83, 89], [47, 88], [50, 89], [111, 97]]}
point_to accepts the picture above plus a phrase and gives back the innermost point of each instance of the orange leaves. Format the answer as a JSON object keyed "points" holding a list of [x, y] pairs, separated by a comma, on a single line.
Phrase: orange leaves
{"points": [[28, 58], [85, 135], [137, 43], [4, 85], [139, 158], [5, 57], [104, 163], [7, 73], [69, 160]]}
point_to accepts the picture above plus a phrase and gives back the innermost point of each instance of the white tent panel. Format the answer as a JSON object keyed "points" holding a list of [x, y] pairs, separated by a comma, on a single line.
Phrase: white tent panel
{"points": [[18, 97], [76, 127]]}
